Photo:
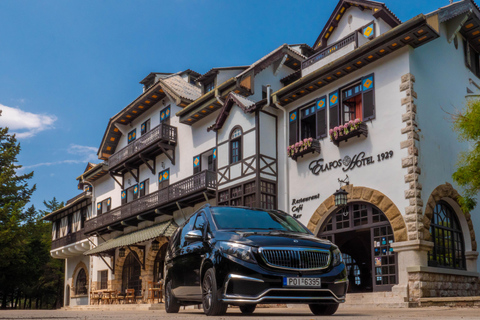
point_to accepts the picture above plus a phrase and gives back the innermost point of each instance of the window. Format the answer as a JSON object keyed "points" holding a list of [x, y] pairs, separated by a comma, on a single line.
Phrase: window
{"points": [[165, 115], [268, 195], [212, 162], [205, 161], [448, 246], [240, 195], [144, 187], [197, 164], [163, 179], [236, 145], [145, 127], [104, 206], [264, 92], [472, 58], [187, 227], [312, 124], [130, 194], [357, 101], [132, 135], [81, 283], [103, 279], [209, 86]]}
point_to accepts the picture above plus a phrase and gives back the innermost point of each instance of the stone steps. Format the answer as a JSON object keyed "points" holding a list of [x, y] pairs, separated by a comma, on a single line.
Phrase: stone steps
{"points": [[450, 302]]}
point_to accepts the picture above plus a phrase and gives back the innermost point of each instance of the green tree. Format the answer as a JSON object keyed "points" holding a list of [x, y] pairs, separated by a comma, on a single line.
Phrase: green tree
{"points": [[467, 175], [14, 195]]}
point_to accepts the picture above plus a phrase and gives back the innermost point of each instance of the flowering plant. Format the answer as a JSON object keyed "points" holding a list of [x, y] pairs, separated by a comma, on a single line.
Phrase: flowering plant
{"points": [[299, 146], [343, 130]]}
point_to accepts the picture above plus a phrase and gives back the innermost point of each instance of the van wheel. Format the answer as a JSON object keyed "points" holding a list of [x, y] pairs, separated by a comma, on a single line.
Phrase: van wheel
{"points": [[212, 305], [248, 308], [323, 309], [171, 303]]}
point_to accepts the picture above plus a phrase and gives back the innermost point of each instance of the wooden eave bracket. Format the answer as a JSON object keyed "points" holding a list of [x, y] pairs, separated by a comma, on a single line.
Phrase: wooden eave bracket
{"points": [[122, 128], [164, 147], [118, 175], [131, 172], [145, 160], [454, 25], [278, 64], [108, 265]]}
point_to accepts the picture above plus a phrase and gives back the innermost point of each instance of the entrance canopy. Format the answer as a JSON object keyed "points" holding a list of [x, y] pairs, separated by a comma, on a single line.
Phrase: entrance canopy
{"points": [[165, 229]]}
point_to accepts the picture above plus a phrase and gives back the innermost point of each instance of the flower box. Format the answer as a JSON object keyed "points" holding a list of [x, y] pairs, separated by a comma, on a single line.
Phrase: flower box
{"points": [[349, 130], [303, 147]]}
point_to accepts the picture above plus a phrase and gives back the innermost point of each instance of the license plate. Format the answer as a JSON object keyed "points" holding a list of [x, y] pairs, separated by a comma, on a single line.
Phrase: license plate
{"points": [[301, 282]]}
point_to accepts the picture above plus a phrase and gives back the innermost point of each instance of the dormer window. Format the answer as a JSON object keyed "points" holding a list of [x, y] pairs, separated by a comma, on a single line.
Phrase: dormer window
{"points": [[209, 86]]}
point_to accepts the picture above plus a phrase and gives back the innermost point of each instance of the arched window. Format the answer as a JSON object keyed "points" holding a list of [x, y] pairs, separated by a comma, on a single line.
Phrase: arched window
{"points": [[81, 283], [158, 263], [449, 248], [236, 145], [131, 273]]}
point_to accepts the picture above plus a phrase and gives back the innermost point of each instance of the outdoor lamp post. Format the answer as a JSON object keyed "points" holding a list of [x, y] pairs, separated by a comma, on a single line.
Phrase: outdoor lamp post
{"points": [[155, 245], [121, 252]]}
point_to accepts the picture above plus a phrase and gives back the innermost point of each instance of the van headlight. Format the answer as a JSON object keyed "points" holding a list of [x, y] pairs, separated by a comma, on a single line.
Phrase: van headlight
{"points": [[336, 257], [236, 250]]}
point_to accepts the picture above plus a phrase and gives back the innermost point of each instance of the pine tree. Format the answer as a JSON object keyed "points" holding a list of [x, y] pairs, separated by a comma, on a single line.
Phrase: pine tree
{"points": [[14, 195], [467, 174]]}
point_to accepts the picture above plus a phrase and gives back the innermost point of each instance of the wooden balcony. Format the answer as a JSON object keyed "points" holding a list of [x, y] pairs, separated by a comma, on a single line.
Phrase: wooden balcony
{"points": [[159, 140], [69, 239], [184, 193]]}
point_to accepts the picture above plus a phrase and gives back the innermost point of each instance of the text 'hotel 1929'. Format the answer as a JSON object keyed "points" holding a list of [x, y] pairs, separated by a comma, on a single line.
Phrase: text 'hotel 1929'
{"points": [[368, 99]]}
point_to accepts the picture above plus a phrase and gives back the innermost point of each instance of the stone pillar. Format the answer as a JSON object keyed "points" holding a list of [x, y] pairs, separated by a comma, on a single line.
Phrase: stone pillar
{"points": [[410, 253], [414, 212], [471, 259]]}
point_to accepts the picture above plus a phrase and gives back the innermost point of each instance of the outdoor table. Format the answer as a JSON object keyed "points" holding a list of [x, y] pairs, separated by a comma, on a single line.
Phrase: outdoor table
{"points": [[107, 293]]}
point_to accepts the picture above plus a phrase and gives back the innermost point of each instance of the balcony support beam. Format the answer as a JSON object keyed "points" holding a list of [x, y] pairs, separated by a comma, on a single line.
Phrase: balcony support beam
{"points": [[145, 160], [115, 228], [131, 172], [145, 218], [118, 175], [129, 224], [164, 147]]}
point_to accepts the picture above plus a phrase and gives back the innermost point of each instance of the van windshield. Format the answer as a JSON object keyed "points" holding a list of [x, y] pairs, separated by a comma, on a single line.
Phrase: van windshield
{"points": [[248, 219]]}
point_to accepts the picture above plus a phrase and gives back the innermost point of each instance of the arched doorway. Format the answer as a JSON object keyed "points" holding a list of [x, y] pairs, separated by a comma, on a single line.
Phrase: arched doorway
{"points": [[131, 273], [363, 234], [158, 263]]}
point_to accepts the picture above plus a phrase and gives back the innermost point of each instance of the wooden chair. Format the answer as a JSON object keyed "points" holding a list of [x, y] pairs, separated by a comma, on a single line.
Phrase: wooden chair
{"points": [[130, 295], [160, 292], [94, 297], [119, 297], [139, 298], [106, 298]]}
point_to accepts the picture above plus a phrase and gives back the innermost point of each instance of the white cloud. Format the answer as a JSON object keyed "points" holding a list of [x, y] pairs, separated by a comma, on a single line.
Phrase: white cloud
{"points": [[84, 154], [23, 123]]}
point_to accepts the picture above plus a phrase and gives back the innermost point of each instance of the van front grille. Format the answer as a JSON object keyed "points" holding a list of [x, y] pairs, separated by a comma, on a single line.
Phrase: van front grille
{"points": [[296, 258]]}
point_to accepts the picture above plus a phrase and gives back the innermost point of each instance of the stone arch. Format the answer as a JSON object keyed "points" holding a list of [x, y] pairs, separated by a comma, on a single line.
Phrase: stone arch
{"points": [[80, 265], [117, 283], [445, 192], [365, 194]]}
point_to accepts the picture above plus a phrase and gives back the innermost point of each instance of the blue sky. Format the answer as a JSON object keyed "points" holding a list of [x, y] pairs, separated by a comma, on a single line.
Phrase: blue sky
{"points": [[66, 67]]}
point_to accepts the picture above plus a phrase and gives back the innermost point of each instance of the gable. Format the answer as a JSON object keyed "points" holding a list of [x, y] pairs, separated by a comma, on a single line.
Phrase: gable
{"points": [[362, 12]]}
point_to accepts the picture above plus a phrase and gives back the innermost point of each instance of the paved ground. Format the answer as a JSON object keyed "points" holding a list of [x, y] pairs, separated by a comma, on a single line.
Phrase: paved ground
{"points": [[436, 313]]}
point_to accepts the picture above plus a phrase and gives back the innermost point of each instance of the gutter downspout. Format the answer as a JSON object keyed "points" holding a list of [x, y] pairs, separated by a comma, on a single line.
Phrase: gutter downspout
{"points": [[285, 124], [217, 96], [90, 257]]}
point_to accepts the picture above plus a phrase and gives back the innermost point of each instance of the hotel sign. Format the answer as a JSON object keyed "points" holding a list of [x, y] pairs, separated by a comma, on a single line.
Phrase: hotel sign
{"points": [[348, 163]]}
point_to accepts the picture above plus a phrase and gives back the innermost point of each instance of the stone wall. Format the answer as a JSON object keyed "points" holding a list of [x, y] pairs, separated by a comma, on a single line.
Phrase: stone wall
{"points": [[428, 285]]}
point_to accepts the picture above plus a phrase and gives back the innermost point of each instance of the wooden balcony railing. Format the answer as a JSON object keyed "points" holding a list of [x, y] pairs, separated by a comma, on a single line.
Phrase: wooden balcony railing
{"points": [[161, 133], [199, 182], [329, 50], [69, 239]]}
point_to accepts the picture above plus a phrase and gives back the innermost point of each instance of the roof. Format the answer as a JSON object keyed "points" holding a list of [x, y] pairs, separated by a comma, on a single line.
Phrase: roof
{"points": [[152, 76], [165, 229], [95, 172], [180, 87], [214, 71], [380, 10], [414, 32], [245, 104], [70, 204]]}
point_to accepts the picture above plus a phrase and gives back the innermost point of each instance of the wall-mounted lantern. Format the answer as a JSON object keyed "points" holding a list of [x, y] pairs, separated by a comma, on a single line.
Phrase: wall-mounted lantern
{"points": [[121, 252], [341, 195]]}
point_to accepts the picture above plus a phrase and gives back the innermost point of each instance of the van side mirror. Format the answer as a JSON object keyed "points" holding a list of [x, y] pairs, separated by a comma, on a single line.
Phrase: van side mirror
{"points": [[194, 235]]}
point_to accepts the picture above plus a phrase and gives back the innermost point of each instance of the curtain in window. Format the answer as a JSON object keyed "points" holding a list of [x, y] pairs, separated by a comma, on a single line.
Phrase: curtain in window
{"points": [[77, 221], [64, 227], [54, 230]]}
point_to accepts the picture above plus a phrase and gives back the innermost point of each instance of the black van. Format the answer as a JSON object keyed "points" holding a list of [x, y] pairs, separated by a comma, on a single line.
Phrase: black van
{"points": [[242, 256]]}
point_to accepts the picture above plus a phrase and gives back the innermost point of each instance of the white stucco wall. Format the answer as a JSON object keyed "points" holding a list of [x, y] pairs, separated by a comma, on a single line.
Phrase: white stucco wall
{"points": [[441, 84], [383, 135]]}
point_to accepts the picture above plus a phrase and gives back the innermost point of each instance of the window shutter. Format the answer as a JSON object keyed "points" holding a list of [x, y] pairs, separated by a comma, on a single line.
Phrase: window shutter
{"points": [[368, 100], [124, 197], [142, 188], [99, 208], [109, 204], [293, 127], [321, 118], [197, 164], [165, 114], [135, 191], [333, 111]]}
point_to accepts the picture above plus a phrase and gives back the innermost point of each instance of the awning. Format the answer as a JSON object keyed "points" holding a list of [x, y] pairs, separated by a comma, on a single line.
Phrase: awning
{"points": [[165, 229]]}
